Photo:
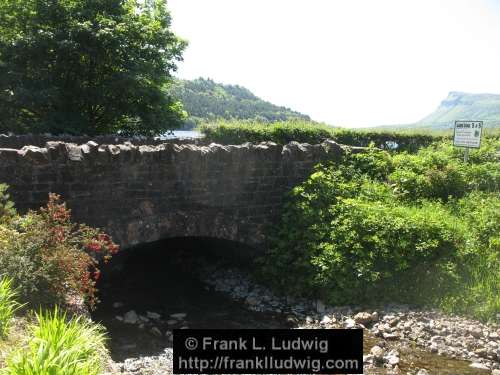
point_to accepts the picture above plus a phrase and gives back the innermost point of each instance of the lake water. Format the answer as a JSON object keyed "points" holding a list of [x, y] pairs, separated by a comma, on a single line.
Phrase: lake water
{"points": [[182, 134]]}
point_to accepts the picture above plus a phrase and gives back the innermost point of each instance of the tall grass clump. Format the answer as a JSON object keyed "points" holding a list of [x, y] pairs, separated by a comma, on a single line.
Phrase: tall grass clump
{"points": [[60, 346], [8, 305], [479, 291]]}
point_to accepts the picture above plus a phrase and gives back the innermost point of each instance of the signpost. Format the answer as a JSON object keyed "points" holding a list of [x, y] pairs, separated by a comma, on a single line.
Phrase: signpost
{"points": [[467, 134]]}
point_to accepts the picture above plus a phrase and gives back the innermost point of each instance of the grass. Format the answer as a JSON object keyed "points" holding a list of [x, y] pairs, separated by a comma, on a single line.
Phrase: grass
{"points": [[8, 305], [59, 346], [485, 286]]}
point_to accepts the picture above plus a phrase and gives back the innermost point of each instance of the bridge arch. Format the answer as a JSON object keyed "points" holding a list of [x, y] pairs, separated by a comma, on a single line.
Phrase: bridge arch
{"points": [[145, 193]]}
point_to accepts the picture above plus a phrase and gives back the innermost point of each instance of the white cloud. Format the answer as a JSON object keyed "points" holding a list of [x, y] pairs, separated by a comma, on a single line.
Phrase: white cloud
{"points": [[345, 62]]}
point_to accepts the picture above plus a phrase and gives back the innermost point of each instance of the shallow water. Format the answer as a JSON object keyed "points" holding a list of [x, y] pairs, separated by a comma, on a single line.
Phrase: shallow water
{"points": [[159, 279]]}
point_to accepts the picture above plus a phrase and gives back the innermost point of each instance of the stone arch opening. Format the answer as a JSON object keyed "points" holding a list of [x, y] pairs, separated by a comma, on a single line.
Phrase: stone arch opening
{"points": [[150, 289]]}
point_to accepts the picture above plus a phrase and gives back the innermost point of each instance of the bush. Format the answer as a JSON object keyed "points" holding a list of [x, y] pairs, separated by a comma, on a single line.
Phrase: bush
{"points": [[420, 229], [387, 140], [6, 206], [375, 163], [60, 347], [237, 132], [438, 172], [49, 258], [346, 242], [8, 305]]}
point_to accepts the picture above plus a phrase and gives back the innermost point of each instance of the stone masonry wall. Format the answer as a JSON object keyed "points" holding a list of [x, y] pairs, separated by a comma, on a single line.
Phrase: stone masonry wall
{"points": [[144, 193], [40, 140]]}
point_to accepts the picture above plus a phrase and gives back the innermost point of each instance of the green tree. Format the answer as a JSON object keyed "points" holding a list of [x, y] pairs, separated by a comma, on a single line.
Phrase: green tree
{"points": [[87, 67]]}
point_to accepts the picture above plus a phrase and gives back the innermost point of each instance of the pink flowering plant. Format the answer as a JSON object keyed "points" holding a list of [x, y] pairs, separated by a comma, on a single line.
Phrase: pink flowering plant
{"points": [[51, 258]]}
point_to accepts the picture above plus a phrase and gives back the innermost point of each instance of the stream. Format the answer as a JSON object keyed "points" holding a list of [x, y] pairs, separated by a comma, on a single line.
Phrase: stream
{"points": [[159, 278]]}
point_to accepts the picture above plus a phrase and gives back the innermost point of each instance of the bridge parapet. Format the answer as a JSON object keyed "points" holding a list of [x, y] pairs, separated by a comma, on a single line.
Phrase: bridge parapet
{"points": [[141, 193]]}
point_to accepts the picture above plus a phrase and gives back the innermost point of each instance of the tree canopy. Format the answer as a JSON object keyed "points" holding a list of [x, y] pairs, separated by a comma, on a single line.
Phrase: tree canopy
{"points": [[87, 67], [206, 100]]}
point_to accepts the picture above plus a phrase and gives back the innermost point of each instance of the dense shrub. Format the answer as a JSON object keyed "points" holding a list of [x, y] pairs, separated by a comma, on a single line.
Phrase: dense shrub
{"points": [[439, 172], [49, 258], [237, 132], [374, 163], [422, 228], [346, 242], [6, 206], [386, 140]]}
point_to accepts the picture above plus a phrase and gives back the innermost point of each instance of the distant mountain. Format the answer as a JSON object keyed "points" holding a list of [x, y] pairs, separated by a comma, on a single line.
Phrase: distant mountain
{"points": [[464, 106], [205, 99]]}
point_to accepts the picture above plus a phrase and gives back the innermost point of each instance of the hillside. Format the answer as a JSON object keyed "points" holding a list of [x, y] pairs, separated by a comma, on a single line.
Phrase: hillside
{"points": [[464, 106], [205, 99]]}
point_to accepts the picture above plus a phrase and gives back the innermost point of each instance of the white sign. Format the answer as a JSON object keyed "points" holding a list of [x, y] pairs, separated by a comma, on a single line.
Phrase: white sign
{"points": [[467, 134]]}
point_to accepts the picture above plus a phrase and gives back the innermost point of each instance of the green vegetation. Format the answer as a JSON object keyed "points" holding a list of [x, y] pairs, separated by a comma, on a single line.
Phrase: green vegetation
{"points": [[87, 67], [206, 100], [46, 260], [415, 228], [49, 258], [237, 132], [7, 210], [59, 346], [8, 305]]}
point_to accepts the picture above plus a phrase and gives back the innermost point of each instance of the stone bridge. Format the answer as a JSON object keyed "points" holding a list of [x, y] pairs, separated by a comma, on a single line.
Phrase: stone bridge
{"points": [[141, 193]]}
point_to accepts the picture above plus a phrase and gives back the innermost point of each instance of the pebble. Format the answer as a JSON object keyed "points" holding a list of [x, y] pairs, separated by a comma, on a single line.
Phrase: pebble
{"points": [[350, 323], [178, 316], [479, 366], [390, 336], [378, 353], [397, 324], [155, 331], [326, 320], [423, 371], [153, 315], [131, 317], [392, 358], [252, 301], [363, 318]]}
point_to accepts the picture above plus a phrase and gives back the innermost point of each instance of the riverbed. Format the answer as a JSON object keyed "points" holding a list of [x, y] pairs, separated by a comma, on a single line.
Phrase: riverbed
{"points": [[155, 289]]}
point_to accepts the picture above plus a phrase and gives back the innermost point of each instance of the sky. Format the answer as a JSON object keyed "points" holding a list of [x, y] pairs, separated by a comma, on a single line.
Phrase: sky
{"points": [[344, 62]]}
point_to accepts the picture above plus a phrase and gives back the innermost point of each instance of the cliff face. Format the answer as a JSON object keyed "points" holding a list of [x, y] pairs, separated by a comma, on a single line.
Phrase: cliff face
{"points": [[464, 106]]}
